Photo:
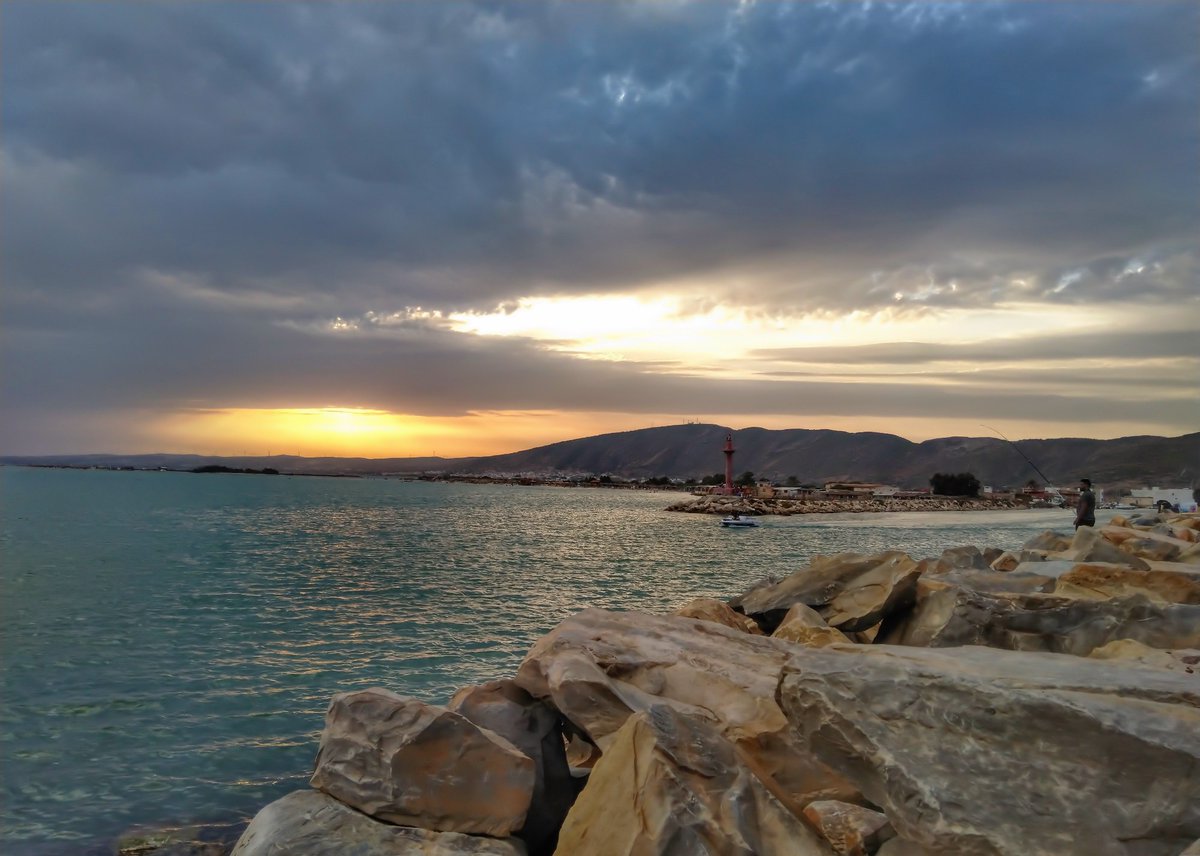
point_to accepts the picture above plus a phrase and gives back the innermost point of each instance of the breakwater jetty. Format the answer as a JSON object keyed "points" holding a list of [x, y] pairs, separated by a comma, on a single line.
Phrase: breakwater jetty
{"points": [[1044, 700], [721, 504]]}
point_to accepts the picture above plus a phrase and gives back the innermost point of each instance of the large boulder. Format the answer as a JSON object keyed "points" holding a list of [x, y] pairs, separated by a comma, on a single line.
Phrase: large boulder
{"points": [[311, 823], [1048, 541], [872, 596], [1089, 545], [1022, 580], [1009, 560], [671, 784], [805, 626], [949, 616], [962, 558], [407, 762], [867, 585], [851, 830], [1108, 581], [1185, 660], [599, 667], [711, 609], [533, 727], [979, 752]]}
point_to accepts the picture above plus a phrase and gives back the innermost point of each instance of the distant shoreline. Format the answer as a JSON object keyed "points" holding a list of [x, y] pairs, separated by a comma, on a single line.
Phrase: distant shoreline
{"points": [[789, 507]]}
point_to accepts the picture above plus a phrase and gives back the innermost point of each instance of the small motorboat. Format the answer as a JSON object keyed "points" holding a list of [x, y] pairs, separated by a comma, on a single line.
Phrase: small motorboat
{"points": [[737, 520]]}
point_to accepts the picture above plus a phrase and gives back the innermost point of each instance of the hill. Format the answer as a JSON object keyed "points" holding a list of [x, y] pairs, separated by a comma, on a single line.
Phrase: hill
{"points": [[816, 456], [812, 456]]}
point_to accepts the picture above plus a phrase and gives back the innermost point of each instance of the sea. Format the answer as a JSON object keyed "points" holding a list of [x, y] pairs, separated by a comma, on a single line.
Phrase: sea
{"points": [[169, 642]]}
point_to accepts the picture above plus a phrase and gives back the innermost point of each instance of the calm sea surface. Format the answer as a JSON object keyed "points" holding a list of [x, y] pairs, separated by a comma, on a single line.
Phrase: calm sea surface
{"points": [[170, 641]]}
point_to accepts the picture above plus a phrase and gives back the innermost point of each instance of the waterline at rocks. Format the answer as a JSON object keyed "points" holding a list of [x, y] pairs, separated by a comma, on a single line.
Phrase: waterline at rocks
{"points": [[972, 703]]}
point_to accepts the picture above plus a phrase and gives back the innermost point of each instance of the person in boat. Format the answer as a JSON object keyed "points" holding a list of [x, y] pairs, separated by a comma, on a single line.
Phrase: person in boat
{"points": [[735, 514], [1085, 508]]}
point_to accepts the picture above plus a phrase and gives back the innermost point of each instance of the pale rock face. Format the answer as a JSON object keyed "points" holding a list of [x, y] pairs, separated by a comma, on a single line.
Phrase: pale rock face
{"points": [[533, 727], [711, 609], [1186, 660], [1022, 580], [311, 823], [805, 626], [850, 829], [1009, 560], [1049, 542], [962, 557], [1089, 545], [1154, 549], [671, 784], [872, 596], [979, 752], [1107, 581], [852, 591], [949, 616], [598, 668], [900, 847], [415, 764]]}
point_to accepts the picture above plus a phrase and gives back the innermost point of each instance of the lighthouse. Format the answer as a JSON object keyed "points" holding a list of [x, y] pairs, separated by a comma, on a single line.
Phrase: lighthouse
{"points": [[729, 464]]}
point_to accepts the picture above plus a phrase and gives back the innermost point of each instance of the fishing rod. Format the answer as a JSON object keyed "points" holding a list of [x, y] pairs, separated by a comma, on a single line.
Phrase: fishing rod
{"points": [[1045, 478]]}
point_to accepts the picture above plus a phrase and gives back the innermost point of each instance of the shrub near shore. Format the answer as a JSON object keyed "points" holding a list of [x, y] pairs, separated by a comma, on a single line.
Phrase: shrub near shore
{"points": [[1038, 701]]}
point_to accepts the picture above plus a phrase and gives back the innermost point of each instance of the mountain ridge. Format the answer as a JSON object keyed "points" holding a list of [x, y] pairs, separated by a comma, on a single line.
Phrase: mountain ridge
{"points": [[810, 455]]}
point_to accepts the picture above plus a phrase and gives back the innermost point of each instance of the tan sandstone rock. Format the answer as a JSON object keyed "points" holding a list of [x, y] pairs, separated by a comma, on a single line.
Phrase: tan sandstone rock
{"points": [[1021, 579], [1186, 660], [868, 586], [1048, 541], [533, 727], [850, 829], [1089, 545], [979, 752], [901, 847], [711, 609], [671, 784], [805, 626], [1107, 581], [407, 762], [311, 823], [874, 595], [599, 667], [1009, 560], [948, 615]]}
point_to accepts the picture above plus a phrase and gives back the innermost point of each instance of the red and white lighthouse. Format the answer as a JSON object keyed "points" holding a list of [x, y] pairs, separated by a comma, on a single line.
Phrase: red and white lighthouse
{"points": [[729, 463]]}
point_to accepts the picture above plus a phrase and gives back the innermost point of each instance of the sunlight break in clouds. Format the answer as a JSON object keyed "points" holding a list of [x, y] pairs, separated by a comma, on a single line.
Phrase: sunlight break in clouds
{"points": [[662, 332]]}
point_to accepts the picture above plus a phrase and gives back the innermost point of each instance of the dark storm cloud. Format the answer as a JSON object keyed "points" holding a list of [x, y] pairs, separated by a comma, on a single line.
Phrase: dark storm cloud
{"points": [[461, 154], [188, 188]]}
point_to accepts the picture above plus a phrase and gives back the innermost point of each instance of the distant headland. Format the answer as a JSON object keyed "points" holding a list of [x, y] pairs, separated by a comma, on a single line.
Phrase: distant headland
{"points": [[674, 454]]}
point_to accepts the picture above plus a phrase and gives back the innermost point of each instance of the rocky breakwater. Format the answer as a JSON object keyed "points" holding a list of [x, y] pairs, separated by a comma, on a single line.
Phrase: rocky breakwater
{"points": [[1041, 701], [717, 504]]}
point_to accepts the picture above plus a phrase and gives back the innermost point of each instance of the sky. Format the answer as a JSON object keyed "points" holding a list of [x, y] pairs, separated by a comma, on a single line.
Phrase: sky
{"points": [[414, 228]]}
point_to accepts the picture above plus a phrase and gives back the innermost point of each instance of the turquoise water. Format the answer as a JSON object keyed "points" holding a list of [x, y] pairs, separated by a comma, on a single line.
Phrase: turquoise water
{"points": [[170, 641]]}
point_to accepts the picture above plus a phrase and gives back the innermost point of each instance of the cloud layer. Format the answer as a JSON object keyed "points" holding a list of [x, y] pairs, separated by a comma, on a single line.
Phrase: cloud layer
{"points": [[193, 194]]}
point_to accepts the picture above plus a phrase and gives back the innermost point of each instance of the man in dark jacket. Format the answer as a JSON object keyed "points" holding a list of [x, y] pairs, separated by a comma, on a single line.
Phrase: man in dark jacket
{"points": [[1085, 509]]}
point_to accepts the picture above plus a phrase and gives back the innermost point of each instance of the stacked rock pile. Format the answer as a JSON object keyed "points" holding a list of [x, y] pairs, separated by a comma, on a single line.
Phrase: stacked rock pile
{"points": [[1043, 701], [717, 504]]}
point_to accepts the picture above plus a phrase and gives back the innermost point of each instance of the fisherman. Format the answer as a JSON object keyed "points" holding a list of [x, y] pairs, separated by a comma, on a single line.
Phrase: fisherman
{"points": [[1085, 508]]}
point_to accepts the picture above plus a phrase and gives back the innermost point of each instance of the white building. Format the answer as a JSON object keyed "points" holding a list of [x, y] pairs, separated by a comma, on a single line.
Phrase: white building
{"points": [[1148, 497]]}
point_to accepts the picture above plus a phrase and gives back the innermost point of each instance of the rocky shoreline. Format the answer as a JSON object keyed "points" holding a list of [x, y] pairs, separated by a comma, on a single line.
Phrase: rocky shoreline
{"points": [[1038, 701], [717, 504]]}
